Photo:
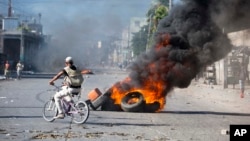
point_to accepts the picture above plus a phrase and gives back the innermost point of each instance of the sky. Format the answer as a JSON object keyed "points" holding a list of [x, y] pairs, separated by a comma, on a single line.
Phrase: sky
{"points": [[77, 25], [95, 15]]}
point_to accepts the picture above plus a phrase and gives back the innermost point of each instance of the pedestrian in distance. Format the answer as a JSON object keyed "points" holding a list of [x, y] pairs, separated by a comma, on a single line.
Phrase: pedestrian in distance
{"points": [[73, 80], [7, 70], [242, 78], [19, 68]]}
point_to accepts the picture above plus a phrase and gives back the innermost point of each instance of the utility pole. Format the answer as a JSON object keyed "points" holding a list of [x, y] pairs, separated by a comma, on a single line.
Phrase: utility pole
{"points": [[22, 45], [129, 50], [149, 31], [39, 18], [9, 9], [170, 5]]}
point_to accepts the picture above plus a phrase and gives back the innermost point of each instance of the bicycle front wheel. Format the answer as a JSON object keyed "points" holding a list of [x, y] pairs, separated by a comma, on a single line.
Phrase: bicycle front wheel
{"points": [[82, 112], [50, 111]]}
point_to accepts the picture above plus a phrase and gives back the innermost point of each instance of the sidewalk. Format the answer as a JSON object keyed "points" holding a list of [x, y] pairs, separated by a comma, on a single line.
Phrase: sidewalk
{"points": [[228, 97], [219, 85], [2, 77]]}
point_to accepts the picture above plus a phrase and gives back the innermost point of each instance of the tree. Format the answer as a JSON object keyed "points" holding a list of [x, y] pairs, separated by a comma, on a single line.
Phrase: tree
{"points": [[157, 12], [139, 41], [143, 39], [160, 13]]}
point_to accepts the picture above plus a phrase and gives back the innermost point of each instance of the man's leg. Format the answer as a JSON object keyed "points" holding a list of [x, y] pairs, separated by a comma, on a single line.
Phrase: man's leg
{"points": [[8, 75], [242, 94], [18, 74], [58, 96], [5, 74], [242, 88]]}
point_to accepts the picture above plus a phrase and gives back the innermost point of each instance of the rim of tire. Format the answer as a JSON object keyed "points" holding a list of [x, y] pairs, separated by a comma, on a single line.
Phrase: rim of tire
{"points": [[133, 102], [49, 111], [83, 114]]}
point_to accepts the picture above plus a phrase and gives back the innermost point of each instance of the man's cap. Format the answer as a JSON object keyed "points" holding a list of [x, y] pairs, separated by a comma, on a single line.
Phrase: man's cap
{"points": [[69, 59]]}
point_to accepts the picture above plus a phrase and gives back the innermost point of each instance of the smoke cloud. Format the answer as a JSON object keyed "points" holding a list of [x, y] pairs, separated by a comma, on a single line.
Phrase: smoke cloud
{"points": [[188, 39], [77, 26]]}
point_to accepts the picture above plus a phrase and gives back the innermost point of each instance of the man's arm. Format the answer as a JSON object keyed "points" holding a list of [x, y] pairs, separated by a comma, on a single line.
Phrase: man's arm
{"points": [[51, 82], [85, 71]]}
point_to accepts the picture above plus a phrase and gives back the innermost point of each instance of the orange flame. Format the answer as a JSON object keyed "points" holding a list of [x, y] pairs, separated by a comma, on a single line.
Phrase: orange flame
{"points": [[164, 41], [152, 92], [152, 88]]}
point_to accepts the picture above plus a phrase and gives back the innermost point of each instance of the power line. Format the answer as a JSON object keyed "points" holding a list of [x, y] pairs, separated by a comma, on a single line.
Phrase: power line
{"points": [[21, 10]]}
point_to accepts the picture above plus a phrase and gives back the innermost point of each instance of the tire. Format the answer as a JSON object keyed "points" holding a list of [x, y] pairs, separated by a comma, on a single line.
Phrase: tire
{"points": [[83, 112], [99, 101], [135, 106], [152, 107], [109, 105], [50, 111]]}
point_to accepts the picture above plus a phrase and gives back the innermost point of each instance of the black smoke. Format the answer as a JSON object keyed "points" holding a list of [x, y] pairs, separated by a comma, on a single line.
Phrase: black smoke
{"points": [[192, 39], [231, 15]]}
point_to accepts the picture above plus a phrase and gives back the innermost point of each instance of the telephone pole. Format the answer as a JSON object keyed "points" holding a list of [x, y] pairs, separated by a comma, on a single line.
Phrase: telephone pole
{"points": [[9, 9], [170, 4]]}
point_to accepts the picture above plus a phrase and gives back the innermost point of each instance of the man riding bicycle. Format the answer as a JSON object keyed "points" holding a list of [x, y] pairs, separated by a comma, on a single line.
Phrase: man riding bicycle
{"points": [[72, 84]]}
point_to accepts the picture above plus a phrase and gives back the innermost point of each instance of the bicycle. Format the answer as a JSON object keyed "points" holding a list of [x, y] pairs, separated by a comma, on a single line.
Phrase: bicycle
{"points": [[78, 111]]}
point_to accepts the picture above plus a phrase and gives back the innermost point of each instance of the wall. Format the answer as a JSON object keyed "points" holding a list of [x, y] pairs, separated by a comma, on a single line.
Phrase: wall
{"points": [[239, 38]]}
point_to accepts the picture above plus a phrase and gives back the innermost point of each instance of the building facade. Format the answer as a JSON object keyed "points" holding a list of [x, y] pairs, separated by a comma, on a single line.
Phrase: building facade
{"points": [[226, 70], [20, 41]]}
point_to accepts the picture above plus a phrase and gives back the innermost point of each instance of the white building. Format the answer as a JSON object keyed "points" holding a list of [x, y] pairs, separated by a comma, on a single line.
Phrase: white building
{"points": [[223, 67], [136, 23]]}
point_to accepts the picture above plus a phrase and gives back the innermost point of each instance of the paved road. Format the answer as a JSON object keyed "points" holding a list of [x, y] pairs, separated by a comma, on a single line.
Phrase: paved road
{"points": [[197, 113]]}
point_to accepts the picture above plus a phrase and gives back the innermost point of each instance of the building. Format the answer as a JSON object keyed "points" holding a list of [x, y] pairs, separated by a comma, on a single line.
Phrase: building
{"points": [[123, 52], [136, 23], [20, 40], [226, 70]]}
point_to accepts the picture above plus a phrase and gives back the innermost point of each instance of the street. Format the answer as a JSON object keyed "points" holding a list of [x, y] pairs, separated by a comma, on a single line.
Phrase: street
{"points": [[197, 113]]}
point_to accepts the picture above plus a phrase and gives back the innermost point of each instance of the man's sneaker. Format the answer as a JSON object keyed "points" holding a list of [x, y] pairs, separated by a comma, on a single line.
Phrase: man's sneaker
{"points": [[59, 116]]}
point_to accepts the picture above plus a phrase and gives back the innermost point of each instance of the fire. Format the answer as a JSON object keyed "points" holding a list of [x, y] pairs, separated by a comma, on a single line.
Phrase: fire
{"points": [[152, 92], [164, 41], [153, 88], [133, 100]]}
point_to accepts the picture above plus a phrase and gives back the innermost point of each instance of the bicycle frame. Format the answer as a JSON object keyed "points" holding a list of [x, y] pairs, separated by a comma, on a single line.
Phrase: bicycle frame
{"points": [[76, 109], [67, 105]]}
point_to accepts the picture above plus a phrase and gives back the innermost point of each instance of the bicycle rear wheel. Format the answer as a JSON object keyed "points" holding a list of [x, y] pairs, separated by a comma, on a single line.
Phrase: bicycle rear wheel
{"points": [[82, 113], [50, 111]]}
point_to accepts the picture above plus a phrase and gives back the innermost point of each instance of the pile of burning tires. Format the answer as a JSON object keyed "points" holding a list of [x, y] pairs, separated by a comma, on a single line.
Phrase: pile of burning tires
{"points": [[131, 102]]}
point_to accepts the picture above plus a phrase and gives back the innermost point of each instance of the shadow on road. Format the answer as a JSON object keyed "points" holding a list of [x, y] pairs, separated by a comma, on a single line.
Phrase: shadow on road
{"points": [[21, 117], [120, 124], [204, 113]]}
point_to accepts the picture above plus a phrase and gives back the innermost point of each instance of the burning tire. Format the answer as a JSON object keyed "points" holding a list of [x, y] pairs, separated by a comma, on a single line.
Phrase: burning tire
{"points": [[133, 102], [99, 101], [152, 107], [109, 105]]}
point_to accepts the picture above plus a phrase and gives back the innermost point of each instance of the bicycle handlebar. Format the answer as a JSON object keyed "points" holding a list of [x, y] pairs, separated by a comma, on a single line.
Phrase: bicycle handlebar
{"points": [[56, 86]]}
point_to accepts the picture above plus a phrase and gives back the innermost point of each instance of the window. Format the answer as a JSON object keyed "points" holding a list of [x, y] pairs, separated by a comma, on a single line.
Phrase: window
{"points": [[137, 23]]}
